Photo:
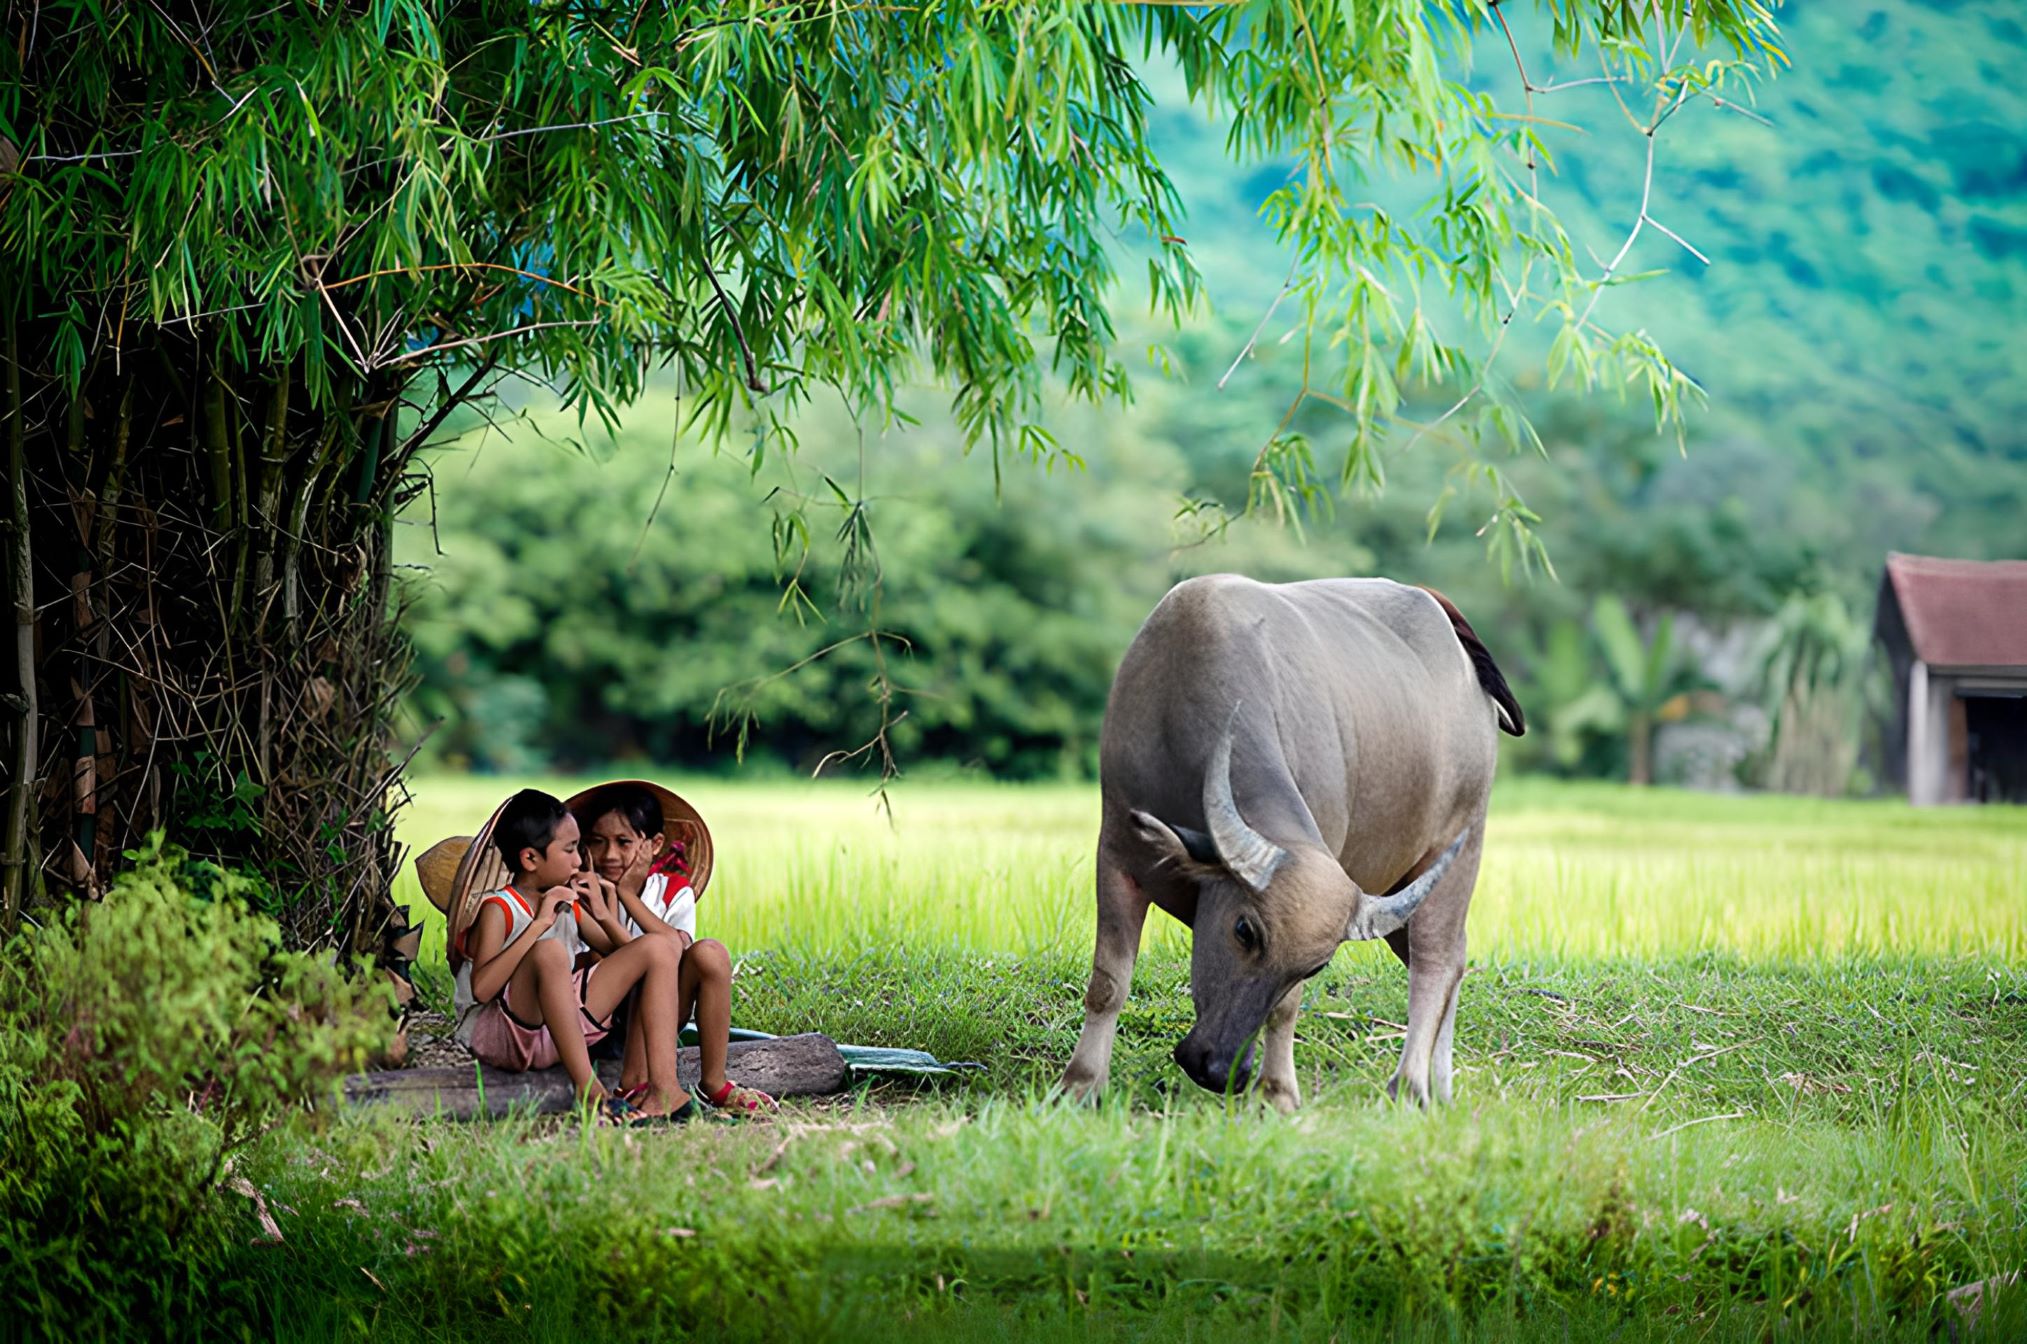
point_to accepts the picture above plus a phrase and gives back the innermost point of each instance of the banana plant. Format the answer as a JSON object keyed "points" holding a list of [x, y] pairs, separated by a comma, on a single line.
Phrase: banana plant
{"points": [[1818, 681], [1650, 677], [1565, 697]]}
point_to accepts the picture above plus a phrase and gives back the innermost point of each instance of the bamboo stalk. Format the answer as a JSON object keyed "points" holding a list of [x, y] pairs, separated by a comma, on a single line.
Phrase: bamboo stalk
{"points": [[104, 545], [116, 474], [335, 449], [84, 794], [221, 443], [378, 906], [449, 404], [299, 521], [369, 467], [218, 449], [265, 526], [21, 558], [268, 493], [84, 718]]}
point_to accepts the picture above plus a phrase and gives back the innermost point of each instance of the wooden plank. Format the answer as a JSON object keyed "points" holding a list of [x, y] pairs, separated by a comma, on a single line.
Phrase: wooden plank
{"points": [[791, 1066]]}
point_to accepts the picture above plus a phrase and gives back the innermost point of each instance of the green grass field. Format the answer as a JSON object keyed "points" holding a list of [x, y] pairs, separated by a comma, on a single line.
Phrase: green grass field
{"points": [[1570, 870], [1729, 1068]]}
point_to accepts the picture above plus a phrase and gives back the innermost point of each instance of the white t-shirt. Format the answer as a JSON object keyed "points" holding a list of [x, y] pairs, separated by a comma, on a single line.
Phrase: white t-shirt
{"points": [[677, 909]]}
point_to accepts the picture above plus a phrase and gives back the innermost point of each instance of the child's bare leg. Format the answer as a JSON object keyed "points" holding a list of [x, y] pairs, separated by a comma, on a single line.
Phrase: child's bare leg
{"points": [[652, 964], [554, 989], [706, 993], [633, 1070]]}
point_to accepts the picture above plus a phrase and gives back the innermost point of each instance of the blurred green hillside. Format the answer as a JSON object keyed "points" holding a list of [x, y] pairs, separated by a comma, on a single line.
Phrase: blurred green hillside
{"points": [[1859, 328], [1855, 330]]}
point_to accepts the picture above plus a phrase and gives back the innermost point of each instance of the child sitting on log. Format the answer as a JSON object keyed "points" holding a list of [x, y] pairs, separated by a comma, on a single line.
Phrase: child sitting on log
{"points": [[523, 1002], [629, 852]]}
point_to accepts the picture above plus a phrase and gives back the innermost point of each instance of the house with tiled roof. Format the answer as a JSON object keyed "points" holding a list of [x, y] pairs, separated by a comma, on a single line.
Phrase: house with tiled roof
{"points": [[1955, 634]]}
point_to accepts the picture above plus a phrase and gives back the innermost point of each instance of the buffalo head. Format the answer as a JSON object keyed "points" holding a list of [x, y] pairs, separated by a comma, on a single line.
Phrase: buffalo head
{"points": [[1268, 916]]}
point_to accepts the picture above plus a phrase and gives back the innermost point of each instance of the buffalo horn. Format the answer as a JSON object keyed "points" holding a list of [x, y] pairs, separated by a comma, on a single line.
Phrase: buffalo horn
{"points": [[1379, 916], [1245, 853]]}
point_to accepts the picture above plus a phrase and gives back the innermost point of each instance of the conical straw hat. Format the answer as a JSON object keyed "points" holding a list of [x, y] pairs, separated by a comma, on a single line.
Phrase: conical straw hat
{"points": [[437, 868], [474, 867], [680, 822]]}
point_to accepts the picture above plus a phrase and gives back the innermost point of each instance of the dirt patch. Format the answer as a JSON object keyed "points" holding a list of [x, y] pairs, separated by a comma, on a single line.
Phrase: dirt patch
{"points": [[431, 1044]]}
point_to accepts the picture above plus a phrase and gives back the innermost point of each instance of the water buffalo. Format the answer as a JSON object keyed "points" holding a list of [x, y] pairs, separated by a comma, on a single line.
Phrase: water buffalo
{"points": [[1286, 767]]}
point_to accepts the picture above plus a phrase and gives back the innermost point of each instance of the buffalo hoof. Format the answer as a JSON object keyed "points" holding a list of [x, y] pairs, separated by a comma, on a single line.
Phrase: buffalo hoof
{"points": [[1409, 1094], [1082, 1087], [1282, 1094]]}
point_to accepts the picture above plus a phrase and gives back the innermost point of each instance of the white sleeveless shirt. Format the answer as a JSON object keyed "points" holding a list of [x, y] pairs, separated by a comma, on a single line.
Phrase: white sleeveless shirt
{"points": [[520, 914], [677, 908]]}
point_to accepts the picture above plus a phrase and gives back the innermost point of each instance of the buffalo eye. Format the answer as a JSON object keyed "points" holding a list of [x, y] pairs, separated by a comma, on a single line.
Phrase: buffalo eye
{"points": [[1248, 937]]}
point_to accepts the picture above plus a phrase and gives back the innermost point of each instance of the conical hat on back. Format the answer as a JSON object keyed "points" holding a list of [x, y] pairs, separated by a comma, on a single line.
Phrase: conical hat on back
{"points": [[457, 872]]}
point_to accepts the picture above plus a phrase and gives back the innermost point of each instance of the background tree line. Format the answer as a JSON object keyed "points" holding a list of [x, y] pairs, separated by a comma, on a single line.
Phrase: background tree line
{"points": [[555, 625]]}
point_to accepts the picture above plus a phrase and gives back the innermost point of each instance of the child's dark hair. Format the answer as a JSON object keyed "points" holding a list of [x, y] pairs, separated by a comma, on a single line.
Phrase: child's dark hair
{"points": [[635, 805], [528, 821]]}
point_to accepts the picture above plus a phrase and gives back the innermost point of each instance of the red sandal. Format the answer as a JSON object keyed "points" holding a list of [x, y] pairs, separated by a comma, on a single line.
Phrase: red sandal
{"points": [[732, 1097]]}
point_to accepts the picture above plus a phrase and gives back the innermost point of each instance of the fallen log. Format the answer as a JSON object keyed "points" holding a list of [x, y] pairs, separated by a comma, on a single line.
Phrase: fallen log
{"points": [[788, 1066]]}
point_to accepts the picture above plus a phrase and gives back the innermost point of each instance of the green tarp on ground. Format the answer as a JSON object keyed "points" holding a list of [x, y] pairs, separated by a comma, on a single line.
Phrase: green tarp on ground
{"points": [[869, 1061]]}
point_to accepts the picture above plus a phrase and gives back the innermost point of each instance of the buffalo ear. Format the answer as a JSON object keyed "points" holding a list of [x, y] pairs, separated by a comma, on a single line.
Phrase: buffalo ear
{"points": [[1175, 844]]}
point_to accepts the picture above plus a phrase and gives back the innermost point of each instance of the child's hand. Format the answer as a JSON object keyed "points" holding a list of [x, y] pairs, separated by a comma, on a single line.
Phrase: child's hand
{"points": [[554, 903], [599, 895], [635, 878]]}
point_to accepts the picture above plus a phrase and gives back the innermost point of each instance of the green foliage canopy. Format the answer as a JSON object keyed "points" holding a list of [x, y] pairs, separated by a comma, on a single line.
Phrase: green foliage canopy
{"points": [[774, 196]]}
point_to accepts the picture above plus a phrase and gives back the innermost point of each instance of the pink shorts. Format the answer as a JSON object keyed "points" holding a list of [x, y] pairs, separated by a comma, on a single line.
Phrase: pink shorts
{"points": [[501, 1039]]}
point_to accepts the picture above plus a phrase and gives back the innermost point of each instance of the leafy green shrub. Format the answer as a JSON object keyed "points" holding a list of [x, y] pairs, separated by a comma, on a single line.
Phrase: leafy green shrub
{"points": [[144, 1039]]}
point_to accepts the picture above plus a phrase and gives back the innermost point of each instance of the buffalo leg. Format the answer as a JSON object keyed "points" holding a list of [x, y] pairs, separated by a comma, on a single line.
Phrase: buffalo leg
{"points": [[1277, 1076], [1430, 987], [1436, 957], [1441, 1068], [1122, 910]]}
